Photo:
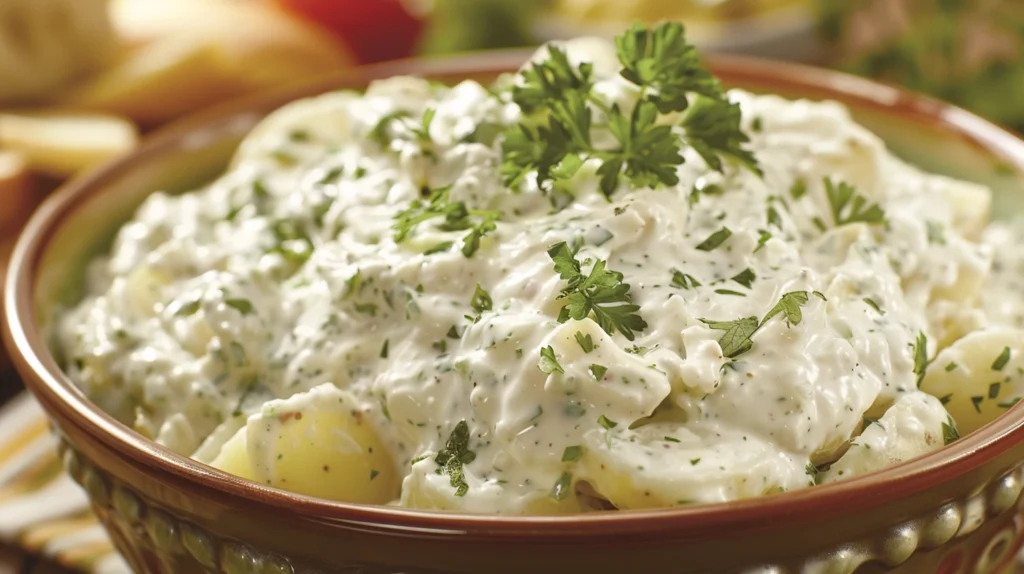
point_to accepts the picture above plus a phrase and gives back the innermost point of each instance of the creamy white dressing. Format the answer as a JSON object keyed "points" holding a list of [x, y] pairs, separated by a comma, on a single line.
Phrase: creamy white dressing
{"points": [[207, 306]]}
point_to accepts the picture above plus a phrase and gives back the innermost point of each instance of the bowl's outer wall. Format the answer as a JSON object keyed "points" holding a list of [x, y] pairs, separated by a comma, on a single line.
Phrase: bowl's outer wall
{"points": [[171, 517]]}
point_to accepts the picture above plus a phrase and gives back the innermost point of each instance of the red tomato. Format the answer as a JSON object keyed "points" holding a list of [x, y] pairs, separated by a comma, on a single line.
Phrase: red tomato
{"points": [[375, 30]]}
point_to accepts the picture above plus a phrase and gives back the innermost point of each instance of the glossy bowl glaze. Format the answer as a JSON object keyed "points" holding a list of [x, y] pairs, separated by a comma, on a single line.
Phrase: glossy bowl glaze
{"points": [[955, 510]]}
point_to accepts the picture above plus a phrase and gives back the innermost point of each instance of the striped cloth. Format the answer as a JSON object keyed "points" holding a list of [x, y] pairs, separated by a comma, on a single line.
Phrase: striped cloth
{"points": [[41, 509]]}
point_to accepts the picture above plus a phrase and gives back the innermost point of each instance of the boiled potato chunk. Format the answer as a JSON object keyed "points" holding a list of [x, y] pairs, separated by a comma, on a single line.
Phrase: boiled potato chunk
{"points": [[64, 144], [234, 457], [640, 469], [979, 376], [426, 490], [914, 425], [318, 443]]}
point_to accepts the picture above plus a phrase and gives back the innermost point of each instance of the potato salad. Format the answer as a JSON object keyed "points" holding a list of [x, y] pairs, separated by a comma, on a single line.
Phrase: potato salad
{"points": [[603, 282]]}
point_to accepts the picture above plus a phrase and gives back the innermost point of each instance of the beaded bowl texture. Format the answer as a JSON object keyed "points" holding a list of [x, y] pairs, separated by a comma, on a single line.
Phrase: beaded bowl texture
{"points": [[957, 510]]}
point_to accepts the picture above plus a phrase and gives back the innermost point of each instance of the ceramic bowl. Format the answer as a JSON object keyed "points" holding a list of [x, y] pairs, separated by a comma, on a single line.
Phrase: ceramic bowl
{"points": [[955, 510]]}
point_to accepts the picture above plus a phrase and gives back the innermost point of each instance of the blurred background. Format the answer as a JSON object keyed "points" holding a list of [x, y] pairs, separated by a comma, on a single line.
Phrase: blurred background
{"points": [[82, 81]]}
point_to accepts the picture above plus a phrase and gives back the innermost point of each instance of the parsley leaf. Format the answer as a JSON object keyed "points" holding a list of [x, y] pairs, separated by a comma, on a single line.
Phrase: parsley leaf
{"points": [[745, 277], [789, 304], [649, 152], [586, 341], [683, 280], [548, 362], [850, 207], [949, 431], [563, 486], [736, 339], [920, 357], [572, 453], [598, 371], [606, 422], [481, 300], [454, 455], [1001, 360], [456, 217], [661, 59], [713, 130], [600, 293], [715, 239]]}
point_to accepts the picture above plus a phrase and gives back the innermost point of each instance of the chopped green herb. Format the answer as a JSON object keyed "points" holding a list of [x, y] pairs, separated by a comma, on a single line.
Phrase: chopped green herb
{"points": [[715, 239], [243, 306], [993, 390], [602, 293], [736, 339], [374, 473], [1001, 360], [671, 439], [453, 333], [367, 309], [694, 461], [921, 357], [730, 292], [683, 280], [548, 362], [935, 233], [185, 309], [949, 431], [745, 277], [454, 455], [850, 207], [563, 487], [871, 303], [765, 236], [606, 422], [598, 371], [585, 341], [789, 305], [976, 401], [951, 366], [1008, 404], [572, 453], [738, 334], [798, 189], [481, 300], [384, 349]]}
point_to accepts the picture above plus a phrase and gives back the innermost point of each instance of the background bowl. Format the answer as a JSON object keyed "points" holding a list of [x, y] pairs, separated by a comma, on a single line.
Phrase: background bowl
{"points": [[955, 510]]}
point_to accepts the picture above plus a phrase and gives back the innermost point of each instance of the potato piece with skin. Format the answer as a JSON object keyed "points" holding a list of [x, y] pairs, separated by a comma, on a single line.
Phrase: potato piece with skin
{"points": [[914, 425], [318, 443], [979, 376]]}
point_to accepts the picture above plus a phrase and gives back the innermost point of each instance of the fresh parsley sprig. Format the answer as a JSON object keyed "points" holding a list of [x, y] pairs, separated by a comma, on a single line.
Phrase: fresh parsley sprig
{"points": [[554, 138], [600, 293], [454, 455], [456, 217], [738, 337], [661, 59]]}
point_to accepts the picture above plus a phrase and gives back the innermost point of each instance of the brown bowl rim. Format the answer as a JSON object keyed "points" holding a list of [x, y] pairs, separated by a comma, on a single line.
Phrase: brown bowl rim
{"points": [[60, 396]]}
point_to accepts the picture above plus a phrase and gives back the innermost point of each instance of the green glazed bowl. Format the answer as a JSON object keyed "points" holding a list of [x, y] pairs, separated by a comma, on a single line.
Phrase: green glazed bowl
{"points": [[957, 510]]}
